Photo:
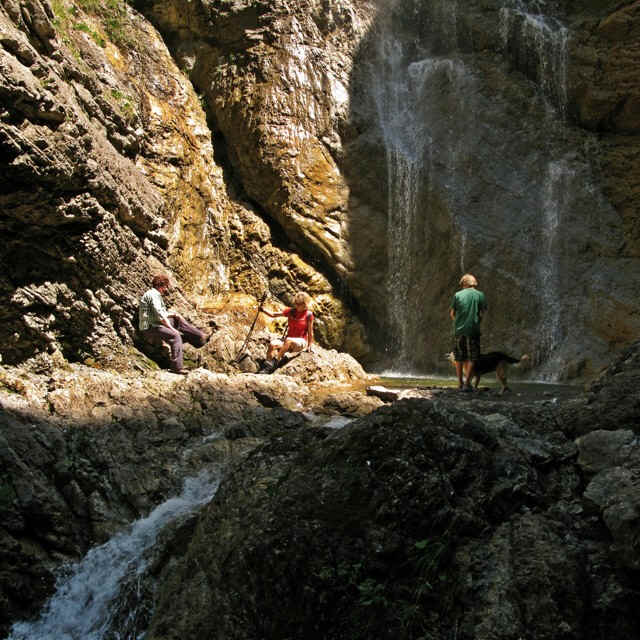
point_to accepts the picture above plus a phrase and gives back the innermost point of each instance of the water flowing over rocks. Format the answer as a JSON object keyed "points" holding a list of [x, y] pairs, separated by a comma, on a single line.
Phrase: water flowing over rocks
{"points": [[84, 452]]}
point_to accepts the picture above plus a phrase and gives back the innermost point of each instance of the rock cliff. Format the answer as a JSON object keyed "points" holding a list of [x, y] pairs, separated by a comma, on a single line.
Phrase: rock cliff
{"points": [[366, 151], [108, 175], [402, 143]]}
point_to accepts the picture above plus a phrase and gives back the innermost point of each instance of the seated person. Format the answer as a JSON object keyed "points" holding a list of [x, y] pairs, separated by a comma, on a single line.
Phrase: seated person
{"points": [[155, 322], [299, 335]]}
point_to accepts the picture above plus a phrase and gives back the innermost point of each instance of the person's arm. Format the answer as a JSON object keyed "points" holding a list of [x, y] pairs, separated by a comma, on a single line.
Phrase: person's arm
{"points": [[166, 323], [161, 312], [452, 313], [277, 314], [483, 308], [310, 333]]}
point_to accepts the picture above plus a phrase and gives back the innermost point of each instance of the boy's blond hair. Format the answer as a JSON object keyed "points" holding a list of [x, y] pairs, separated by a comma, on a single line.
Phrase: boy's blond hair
{"points": [[468, 280]]}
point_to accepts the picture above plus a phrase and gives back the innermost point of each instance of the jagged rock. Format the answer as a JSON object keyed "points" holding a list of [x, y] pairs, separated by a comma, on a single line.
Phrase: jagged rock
{"points": [[478, 496], [388, 395], [307, 114], [349, 403], [85, 451], [109, 176], [454, 518]]}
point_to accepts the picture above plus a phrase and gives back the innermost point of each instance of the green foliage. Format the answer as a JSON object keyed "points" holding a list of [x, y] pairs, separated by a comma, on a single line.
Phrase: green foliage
{"points": [[111, 13], [372, 593], [125, 104], [428, 556]]}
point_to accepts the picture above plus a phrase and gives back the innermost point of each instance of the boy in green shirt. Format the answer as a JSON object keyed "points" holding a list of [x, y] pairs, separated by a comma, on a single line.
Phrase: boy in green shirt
{"points": [[466, 311]]}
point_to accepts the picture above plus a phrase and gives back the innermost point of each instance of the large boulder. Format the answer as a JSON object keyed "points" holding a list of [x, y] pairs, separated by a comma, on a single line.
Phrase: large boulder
{"points": [[419, 516]]}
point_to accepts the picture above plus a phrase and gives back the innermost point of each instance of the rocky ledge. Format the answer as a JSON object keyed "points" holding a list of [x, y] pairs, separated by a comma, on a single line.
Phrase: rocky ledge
{"points": [[496, 516]]}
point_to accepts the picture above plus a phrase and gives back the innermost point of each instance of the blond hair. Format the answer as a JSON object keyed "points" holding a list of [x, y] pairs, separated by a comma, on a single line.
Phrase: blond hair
{"points": [[301, 296], [468, 280]]}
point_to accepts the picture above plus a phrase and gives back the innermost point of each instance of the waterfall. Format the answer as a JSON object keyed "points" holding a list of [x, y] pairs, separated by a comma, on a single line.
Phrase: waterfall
{"points": [[401, 91], [468, 186], [556, 187], [82, 607], [403, 134], [538, 45]]}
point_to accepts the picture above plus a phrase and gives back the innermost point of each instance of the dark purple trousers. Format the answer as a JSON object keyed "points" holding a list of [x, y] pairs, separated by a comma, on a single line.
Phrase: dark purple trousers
{"points": [[187, 333]]}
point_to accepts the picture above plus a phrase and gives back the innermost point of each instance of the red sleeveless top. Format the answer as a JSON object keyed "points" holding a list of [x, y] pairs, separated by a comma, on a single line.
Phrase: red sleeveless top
{"points": [[298, 322]]}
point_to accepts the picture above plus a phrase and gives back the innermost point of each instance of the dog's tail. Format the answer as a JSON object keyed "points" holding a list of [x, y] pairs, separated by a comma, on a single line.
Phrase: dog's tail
{"points": [[516, 361], [523, 360]]}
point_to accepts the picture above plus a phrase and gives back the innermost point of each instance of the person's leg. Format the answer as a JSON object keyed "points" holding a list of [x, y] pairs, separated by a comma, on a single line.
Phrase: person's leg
{"points": [[190, 334], [468, 368], [274, 345], [459, 355], [459, 372], [292, 345], [473, 351], [175, 342], [501, 374]]}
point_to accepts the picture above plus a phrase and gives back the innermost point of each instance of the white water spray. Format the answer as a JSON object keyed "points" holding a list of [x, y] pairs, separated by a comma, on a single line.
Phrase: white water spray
{"points": [[81, 608], [401, 91], [557, 188], [405, 139], [538, 45]]}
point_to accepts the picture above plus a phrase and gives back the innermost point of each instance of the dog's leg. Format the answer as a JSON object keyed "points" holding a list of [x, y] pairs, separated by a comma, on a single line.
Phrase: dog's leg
{"points": [[501, 374]]}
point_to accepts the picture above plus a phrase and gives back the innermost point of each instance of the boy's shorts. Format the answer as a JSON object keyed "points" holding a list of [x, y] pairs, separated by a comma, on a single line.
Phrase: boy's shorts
{"points": [[466, 348]]}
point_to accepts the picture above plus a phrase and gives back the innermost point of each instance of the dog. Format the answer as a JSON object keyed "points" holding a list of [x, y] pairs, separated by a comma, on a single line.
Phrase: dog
{"points": [[497, 361]]}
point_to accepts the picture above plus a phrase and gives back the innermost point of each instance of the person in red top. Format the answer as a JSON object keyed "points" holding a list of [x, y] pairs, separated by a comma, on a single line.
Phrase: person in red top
{"points": [[299, 334]]}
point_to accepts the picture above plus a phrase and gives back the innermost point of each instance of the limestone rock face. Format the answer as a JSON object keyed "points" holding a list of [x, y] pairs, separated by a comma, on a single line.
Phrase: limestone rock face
{"points": [[108, 175], [404, 143], [369, 152]]}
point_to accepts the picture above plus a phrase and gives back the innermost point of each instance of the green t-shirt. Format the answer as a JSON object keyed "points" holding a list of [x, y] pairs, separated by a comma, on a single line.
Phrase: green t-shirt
{"points": [[468, 305]]}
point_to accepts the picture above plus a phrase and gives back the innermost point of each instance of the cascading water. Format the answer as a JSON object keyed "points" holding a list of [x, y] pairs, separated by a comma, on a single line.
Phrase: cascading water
{"points": [[405, 149], [538, 45], [82, 607], [557, 185], [401, 90], [429, 109]]}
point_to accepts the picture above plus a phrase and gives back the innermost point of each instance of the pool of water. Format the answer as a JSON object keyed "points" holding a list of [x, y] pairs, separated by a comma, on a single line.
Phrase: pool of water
{"points": [[529, 388]]}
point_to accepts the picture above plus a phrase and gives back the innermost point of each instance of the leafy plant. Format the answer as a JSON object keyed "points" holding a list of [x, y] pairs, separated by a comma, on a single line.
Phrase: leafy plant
{"points": [[372, 593], [125, 104], [112, 15]]}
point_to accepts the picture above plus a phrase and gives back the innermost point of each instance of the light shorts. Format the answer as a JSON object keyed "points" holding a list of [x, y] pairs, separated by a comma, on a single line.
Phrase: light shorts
{"points": [[297, 344]]}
